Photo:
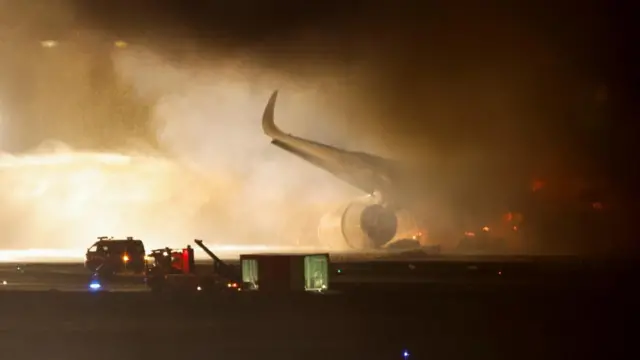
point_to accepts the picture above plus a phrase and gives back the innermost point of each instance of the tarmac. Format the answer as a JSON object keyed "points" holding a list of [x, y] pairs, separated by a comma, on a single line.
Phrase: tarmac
{"points": [[461, 309]]}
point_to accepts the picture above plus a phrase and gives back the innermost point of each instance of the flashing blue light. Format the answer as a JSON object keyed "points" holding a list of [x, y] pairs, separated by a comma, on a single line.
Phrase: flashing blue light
{"points": [[94, 285]]}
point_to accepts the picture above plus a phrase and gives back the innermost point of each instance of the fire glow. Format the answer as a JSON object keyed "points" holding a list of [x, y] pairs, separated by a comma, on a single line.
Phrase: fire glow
{"points": [[66, 199]]}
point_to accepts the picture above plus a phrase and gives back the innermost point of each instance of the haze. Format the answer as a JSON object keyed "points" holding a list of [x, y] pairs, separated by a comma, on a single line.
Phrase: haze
{"points": [[447, 88], [197, 166]]}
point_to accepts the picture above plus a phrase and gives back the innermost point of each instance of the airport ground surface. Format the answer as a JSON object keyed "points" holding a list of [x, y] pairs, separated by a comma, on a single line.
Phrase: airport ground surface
{"points": [[440, 309]]}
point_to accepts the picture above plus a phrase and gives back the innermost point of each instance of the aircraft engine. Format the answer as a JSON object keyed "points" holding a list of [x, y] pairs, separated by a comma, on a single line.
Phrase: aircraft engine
{"points": [[361, 225]]}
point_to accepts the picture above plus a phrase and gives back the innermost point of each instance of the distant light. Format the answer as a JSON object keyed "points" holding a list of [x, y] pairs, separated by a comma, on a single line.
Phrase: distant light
{"points": [[4, 282], [405, 354], [469, 233], [120, 44], [125, 258], [499, 272], [508, 217], [199, 288], [485, 229], [95, 286], [49, 43]]}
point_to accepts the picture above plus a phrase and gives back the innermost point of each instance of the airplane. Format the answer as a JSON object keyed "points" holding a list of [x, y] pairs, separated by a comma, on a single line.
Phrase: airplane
{"points": [[400, 205]]}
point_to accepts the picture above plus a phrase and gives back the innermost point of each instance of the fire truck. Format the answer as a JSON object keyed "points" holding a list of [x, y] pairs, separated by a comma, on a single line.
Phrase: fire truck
{"points": [[174, 270], [109, 256]]}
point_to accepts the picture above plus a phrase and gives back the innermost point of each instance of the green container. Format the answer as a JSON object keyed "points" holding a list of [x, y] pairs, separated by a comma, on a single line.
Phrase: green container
{"points": [[250, 273], [316, 272], [285, 272]]}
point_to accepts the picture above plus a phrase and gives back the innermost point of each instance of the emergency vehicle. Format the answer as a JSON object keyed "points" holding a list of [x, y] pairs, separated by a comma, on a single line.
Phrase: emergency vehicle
{"points": [[110, 256], [174, 270]]}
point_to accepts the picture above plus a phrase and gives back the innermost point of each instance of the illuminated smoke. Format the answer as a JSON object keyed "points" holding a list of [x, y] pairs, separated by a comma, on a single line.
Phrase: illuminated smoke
{"points": [[216, 176], [209, 115]]}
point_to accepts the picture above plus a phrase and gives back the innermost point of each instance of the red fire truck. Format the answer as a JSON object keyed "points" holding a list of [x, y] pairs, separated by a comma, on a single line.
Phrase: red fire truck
{"points": [[174, 270]]}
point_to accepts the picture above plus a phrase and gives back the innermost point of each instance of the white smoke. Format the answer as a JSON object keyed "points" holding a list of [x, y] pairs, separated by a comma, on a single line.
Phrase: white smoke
{"points": [[209, 115], [215, 177]]}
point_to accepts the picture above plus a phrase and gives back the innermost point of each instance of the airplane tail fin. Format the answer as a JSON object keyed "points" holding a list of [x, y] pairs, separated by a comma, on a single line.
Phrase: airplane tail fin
{"points": [[291, 142], [268, 123], [343, 164]]}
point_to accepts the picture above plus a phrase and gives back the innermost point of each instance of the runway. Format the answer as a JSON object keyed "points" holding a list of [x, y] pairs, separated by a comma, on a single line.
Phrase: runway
{"points": [[59, 277], [355, 272], [435, 308]]}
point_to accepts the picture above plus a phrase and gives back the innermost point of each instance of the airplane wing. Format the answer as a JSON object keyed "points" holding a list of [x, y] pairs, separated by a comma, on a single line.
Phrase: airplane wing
{"points": [[366, 172]]}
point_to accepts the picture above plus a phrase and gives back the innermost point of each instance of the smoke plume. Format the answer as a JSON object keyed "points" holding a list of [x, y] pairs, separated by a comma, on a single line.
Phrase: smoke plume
{"points": [[214, 175]]}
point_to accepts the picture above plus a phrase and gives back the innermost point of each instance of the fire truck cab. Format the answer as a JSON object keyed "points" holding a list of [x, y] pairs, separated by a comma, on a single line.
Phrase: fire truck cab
{"points": [[115, 256], [170, 261]]}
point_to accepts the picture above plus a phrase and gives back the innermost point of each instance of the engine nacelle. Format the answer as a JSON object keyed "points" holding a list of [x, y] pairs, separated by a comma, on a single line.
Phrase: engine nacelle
{"points": [[363, 225]]}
